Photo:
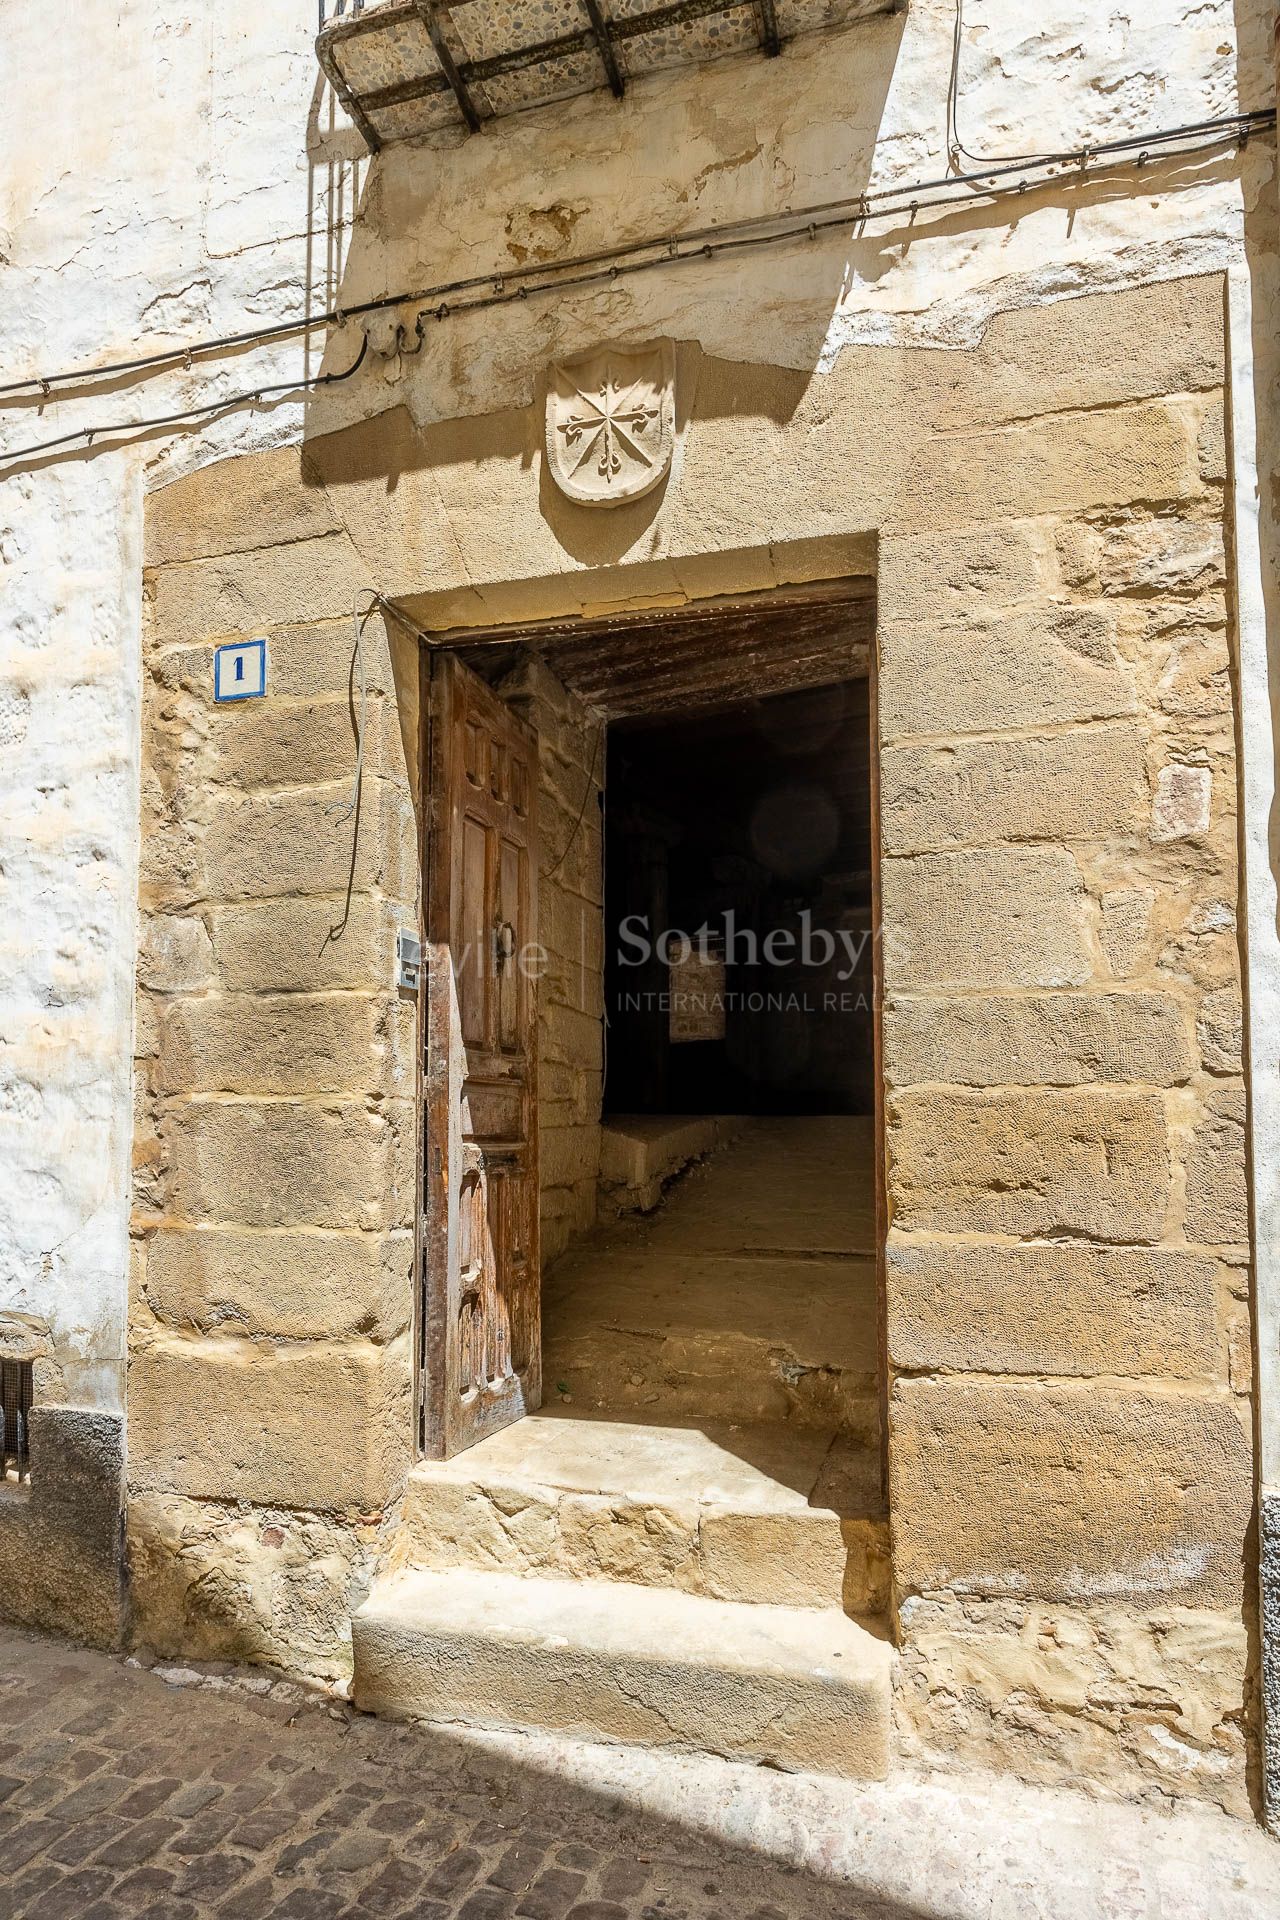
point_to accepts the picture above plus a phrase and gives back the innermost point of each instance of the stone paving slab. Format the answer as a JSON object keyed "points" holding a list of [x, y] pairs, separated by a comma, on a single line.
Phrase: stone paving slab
{"points": [[124, 1793]]}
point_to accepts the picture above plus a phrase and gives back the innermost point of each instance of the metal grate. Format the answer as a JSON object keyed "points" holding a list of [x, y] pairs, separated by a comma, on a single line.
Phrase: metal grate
{"points": [[15, 1414], [404, 68]]}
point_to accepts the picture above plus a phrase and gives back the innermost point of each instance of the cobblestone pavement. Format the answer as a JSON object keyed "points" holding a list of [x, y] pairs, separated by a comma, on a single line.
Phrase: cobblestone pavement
{"points": [[123, 1793]]}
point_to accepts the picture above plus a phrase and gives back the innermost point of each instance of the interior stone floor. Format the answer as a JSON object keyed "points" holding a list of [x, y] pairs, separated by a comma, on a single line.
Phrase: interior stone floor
{"points": [[748, 1296]]}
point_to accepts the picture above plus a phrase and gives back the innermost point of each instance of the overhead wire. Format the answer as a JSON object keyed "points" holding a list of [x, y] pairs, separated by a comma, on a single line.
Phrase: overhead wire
{"points": [[956, 148], [955, 145], [187, 414], [1226, 129], [43, 385], [359, 622], [351, 810], [1010, 178]]}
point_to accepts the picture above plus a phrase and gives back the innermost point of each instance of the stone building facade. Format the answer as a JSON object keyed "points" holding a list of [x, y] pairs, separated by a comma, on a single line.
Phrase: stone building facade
{"points": [[1029, 431]]}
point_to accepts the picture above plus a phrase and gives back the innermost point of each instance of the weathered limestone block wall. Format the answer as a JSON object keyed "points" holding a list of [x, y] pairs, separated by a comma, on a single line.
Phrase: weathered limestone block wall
{"points": [[184, 175], [571, 930], [1068, 1272], [1068, 1262], [275, 1147], [270, 1365]]}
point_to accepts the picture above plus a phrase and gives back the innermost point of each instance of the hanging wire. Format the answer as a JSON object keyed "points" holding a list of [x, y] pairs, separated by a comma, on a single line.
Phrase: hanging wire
{"points": [[519, 283], [351, 810], [378, 603], [956, 148], [992, 183], [582, 810], [187, 415], [358, 623]]}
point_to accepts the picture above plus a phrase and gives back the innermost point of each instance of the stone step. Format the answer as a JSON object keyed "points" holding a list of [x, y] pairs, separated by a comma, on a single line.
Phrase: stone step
{"points": [[725, 1336], [603, 1660], [641, 1153], [756, 1515]]}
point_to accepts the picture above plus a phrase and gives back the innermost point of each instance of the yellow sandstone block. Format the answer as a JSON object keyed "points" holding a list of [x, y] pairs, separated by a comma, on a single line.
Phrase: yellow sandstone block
{"points": [[1069, 1493], [323, 1425], [1092, 1163]]}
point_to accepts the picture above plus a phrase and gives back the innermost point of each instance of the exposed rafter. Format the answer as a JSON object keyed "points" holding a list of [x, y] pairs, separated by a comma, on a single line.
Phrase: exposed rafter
{"points": [[705, 654], [770, 38], [428, 13], [565, 46], [346, 98], [608, 58]]}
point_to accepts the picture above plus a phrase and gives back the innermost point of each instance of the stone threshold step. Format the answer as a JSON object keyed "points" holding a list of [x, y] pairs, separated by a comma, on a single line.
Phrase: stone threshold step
{"points": [[748, 1514], [789, 1687], [640, 1153]]}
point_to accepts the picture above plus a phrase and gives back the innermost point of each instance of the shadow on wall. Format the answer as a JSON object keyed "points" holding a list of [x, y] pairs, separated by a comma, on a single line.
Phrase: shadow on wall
{"points": [[60, 1538], [1255, 38], [753, 325], [579, 179]]}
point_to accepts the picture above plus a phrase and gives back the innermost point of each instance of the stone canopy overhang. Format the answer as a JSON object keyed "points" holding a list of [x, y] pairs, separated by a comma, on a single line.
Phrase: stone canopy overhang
{"points": [[404, 69]]}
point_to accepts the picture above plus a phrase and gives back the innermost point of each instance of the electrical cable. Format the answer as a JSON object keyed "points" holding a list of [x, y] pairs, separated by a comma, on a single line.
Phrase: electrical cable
{"points": [[509, 283], [228, 401], [644, 256], [352, 809], [955, 145], [358, 624], [582, 810], [956, 148], [393, 612], [173, 357]]}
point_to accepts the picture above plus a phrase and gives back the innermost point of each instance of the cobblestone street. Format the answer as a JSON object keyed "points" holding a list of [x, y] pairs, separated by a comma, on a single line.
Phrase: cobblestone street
{"points": [[123, 1793]]}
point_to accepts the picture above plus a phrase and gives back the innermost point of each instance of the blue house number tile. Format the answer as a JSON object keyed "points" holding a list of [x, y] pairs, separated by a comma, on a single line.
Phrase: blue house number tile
{"points": [[240, 670]]}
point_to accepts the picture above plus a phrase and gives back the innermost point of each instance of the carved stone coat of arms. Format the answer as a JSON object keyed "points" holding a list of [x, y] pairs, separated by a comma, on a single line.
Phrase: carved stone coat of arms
{"points": [[611, 423]]}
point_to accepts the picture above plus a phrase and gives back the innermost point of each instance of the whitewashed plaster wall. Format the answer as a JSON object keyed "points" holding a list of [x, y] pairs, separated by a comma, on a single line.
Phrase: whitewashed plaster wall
{"points": [[169, 172], [153, 185]]}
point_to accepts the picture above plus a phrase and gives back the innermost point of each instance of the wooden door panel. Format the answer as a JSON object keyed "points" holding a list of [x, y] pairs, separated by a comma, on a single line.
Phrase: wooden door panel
{"points": [[512, 934], [480, 1354], [472, 922], [494, 1111]]}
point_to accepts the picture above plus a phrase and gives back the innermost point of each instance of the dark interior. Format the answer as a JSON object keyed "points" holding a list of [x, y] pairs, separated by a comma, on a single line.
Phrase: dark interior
{"points": [[760, 811]]}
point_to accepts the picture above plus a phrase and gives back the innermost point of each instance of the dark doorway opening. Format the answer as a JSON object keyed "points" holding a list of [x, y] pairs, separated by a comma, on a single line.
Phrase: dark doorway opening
{"points": [[738, 909], [710, 1330]]}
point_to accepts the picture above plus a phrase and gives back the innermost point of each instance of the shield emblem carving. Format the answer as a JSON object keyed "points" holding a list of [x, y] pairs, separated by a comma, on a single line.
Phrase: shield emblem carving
{"points": [[611, 423]]}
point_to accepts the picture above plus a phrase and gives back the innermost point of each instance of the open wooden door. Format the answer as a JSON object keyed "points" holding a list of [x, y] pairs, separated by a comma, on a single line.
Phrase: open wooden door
{"points": [[480, 1363]]}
